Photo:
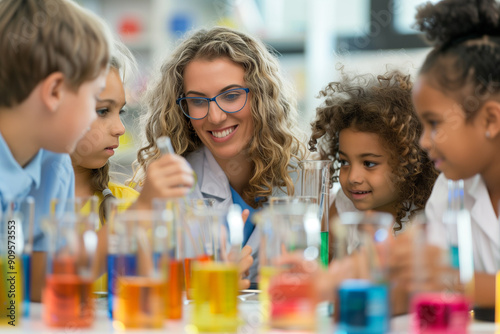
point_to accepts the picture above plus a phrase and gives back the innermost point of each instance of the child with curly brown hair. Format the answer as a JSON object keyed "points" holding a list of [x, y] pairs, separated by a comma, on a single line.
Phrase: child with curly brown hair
{"points": [[368, 127]]}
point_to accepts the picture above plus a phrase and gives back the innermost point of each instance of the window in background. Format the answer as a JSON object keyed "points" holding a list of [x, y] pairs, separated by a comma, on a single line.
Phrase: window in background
{"points": [[404, 15], [381, 32], [351, 18]]}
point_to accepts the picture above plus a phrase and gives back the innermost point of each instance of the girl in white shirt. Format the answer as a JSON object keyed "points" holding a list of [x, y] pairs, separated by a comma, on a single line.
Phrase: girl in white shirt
{"points": [[457, 98]]}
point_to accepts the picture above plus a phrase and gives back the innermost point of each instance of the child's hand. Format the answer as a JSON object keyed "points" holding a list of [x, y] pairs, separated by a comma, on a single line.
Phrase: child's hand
{"points": [[246, 261], [420, 268], [322, 280], [168, 177], [327, 281], [423, 271]]}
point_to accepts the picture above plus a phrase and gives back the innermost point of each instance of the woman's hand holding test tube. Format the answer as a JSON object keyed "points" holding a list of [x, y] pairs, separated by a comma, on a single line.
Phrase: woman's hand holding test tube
{"points": [[169, 176]]}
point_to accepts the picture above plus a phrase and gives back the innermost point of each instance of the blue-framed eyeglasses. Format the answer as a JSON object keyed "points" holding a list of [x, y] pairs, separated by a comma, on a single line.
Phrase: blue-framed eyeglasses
{"points": [[230, 101]]}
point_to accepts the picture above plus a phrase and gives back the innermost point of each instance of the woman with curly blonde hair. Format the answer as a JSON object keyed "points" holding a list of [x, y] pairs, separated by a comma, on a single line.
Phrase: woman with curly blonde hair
{"points": [[369, 128], [222, 100]]}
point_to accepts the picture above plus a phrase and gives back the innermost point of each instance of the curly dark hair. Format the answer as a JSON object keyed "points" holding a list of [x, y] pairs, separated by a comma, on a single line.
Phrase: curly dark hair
{"points": [[465, 61], [380, 105]]}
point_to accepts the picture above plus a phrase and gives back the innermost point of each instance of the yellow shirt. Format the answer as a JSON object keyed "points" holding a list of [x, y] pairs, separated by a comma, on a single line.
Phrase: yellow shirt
{"points": [[124, 194], [121, 191]]}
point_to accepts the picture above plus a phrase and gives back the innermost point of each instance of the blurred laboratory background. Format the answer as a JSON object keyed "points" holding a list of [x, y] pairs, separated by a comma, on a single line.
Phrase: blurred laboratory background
{"points": [[313, 39]]}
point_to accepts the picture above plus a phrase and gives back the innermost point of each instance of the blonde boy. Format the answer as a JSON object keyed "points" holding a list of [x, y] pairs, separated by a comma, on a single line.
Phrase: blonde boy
{"points": [[54, 58]]}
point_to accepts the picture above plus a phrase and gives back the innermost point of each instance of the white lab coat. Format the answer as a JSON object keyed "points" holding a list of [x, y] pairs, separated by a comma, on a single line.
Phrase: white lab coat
{"points": [[484, 223], [213, 183]]}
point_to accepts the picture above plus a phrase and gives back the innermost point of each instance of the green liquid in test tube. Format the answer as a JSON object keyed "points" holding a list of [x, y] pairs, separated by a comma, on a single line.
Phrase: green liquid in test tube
{"points": [[324, 248], [315, 182]]}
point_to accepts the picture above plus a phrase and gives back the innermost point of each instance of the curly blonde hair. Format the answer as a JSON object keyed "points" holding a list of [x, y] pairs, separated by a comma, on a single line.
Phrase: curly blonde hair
{"points": [[275, 141], [383, 106]]}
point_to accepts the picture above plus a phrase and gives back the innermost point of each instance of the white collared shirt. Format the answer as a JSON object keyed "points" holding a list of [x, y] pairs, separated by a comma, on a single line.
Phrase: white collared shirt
{"points": [[484, 222]]}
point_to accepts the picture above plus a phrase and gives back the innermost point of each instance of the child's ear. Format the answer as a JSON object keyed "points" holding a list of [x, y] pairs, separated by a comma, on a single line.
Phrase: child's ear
{"points": [[492, 116], [52, 91]]}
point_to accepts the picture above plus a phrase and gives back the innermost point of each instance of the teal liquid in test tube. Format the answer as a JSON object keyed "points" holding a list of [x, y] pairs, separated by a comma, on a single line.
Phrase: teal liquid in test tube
{"points": [[457, 222], [315, 182]]}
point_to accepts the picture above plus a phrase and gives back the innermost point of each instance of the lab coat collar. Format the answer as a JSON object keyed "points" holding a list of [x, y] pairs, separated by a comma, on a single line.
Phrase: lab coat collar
{"points": [[214, 181]]}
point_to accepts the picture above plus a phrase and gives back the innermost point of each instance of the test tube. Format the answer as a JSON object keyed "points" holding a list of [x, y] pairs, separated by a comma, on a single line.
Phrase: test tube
{"points": [[165, 145]]}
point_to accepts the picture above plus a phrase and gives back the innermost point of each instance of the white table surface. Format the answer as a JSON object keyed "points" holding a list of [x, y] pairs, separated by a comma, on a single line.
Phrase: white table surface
{"points": [[249, 311]]}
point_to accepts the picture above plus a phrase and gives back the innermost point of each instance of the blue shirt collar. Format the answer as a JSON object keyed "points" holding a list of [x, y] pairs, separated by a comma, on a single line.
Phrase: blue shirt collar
{"points": [[34, 168], [15, 180]]}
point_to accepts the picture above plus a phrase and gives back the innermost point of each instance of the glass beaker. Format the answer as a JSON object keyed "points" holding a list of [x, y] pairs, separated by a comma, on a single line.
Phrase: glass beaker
{"points": [[169, 213], [196, 237], [315, 182], [71, 263], [444, 307], [362, 303], [215, 282], [120, 261], [293, 230], [140, 296], [270, 250]]}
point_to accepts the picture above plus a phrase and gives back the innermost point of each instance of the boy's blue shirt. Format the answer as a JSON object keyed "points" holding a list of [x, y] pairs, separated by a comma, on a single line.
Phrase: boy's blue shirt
{"points": [[48, 175]]}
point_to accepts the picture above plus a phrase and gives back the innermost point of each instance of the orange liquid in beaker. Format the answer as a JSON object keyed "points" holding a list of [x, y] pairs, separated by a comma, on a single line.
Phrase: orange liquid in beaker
{"points": [[140, 302], [68, 301]]}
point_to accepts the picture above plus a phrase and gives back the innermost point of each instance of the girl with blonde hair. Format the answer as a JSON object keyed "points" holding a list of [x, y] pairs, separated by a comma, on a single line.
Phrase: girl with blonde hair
{"points": [[91, 157]]}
